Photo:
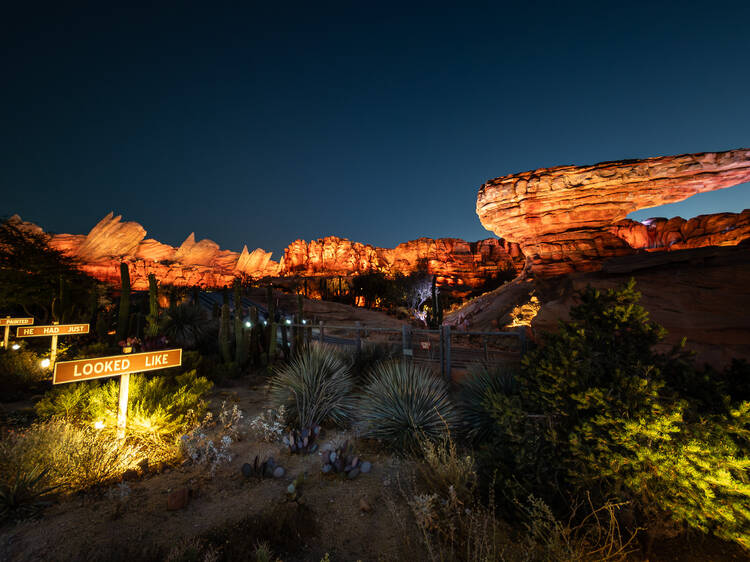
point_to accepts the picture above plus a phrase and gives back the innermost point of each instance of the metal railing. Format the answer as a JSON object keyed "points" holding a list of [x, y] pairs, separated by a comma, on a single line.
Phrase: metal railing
{"points": [[446, 348]]}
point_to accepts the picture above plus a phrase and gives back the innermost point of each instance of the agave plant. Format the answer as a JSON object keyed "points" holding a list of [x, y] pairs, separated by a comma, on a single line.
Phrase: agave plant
{"points": [[403, 403], [315, 386], [20, 495], [474, 390], [185, 325]]}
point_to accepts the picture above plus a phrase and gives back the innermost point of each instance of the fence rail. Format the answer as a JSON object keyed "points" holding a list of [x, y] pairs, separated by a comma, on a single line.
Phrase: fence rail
{"points": [[447, 348]]}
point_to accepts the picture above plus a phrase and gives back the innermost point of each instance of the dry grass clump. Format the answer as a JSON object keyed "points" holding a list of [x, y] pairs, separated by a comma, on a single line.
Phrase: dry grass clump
{"points": [[61, 456]]}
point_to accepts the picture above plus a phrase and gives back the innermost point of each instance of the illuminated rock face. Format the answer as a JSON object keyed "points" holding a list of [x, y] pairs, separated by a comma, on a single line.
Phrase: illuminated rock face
{"points": [[569, 218], [203, 263], [454, 261]]}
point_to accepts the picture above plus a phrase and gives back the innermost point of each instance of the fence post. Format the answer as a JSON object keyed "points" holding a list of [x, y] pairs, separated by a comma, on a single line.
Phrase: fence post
{"points": [[447, 334], [359, 337], [441, 340], [406, 341], [320, 335]]}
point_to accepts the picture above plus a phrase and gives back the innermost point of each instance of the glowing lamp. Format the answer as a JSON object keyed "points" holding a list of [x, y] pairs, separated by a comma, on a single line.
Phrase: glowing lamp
{"points": [[248, 325], [99, 424], [288, 321], [127, 349], [44, 363], [15, 347], [304, 321]]}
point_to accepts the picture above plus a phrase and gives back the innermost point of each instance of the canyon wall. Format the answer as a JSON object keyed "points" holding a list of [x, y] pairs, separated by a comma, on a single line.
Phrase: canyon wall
{"points": [[571, 218], [203, 263]]}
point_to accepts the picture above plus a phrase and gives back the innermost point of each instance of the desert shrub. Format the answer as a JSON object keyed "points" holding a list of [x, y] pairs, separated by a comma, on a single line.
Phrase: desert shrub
{"points": [[403, 403], [315, 386], [21, 492], [65, 456], [473, 395], [628, 423], [20, 373], [159, 406], [444, 469], [360, 363]]}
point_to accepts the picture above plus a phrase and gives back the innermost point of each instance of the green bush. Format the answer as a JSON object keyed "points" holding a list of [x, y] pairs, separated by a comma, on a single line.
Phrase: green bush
{"points": [[616, 418], [403, 403], [315, 386], [473, 398], [158, 405], [20, 373]]}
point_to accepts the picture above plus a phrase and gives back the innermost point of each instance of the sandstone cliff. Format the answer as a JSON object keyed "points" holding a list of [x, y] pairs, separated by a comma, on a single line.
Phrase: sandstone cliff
{"points": [[569, 218]]}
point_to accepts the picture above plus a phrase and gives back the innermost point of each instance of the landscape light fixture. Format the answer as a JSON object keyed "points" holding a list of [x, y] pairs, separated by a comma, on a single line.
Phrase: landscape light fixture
{"points": [[288, 321], [44, 363], [304, 321], [248, 325], [99, 424], [15, 347]]}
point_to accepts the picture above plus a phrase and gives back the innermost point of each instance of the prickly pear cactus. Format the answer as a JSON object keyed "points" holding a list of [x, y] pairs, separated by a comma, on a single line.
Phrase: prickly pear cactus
{"points": [[302, 441], [344, 460], [262, 469]]}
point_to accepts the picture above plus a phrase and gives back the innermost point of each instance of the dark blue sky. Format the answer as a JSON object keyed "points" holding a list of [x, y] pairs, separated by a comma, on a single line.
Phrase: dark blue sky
{"points": [[376, 121]]}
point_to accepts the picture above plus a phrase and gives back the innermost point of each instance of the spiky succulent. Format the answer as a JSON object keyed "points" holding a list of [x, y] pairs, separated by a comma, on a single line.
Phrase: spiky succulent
{"points": [[403, 403], [185, 325], [315, 386], [474, 389]]}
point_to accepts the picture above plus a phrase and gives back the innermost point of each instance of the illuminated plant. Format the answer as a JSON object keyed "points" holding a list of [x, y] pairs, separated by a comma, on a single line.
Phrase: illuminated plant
{"points": [[152, 320]]}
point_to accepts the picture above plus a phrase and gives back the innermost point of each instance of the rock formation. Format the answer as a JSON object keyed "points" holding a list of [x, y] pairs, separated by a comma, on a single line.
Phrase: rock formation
{"points": [[203, 263], [454, 261], [568, 218]]}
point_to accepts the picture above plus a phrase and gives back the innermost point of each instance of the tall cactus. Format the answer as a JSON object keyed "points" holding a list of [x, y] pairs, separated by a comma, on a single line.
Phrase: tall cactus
{"points": [[152, 320], [240, 349], [225, 343], [254, 336], [123, 320], [271, 307], [298, 333]]}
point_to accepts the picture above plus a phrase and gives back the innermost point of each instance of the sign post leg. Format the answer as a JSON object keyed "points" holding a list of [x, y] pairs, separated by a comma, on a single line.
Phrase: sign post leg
{"points": [[7, 333], [122, 410], [53, 349]]}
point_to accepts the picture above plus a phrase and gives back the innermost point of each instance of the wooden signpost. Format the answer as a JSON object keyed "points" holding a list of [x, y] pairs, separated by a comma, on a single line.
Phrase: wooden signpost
{"points": [[8, 322], [54, 330], [116, 366]]}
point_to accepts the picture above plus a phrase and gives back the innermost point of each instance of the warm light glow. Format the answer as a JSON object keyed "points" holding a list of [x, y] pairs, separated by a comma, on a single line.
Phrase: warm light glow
{"points": [[127, 349], [15, 347], [99, 424], [44, 363]]}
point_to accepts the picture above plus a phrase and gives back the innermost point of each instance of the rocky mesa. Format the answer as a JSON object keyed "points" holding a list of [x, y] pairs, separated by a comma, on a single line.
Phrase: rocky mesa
{"points": [[571, 218], [203, 263]]}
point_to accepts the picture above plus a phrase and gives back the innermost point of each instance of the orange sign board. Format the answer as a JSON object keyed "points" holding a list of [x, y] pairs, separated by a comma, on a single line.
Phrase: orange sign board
{"points": [[116, 365], [54, 330], [16, 321]]}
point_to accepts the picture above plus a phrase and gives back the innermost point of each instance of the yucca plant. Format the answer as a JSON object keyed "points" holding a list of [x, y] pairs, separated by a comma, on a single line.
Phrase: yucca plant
{"points": [[21, 493], [474, 390], [403, 403], [185, 325], [315, 386]]}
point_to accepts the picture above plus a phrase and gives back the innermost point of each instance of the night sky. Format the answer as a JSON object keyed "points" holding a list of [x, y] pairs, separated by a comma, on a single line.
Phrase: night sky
{"points": [[376, 121]]}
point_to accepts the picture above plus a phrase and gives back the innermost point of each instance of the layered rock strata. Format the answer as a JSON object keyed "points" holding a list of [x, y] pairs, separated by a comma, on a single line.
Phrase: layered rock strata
{"points": [[203, 263], [454, 261], [570, 218]]}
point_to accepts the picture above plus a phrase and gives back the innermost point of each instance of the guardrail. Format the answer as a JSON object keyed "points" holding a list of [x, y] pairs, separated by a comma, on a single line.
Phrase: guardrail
{"points": [[451, 349]]}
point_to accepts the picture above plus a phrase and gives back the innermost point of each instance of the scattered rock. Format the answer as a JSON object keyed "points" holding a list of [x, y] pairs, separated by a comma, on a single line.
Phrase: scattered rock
{"points": [[365, 467], [278, 472], [364, 505]]}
